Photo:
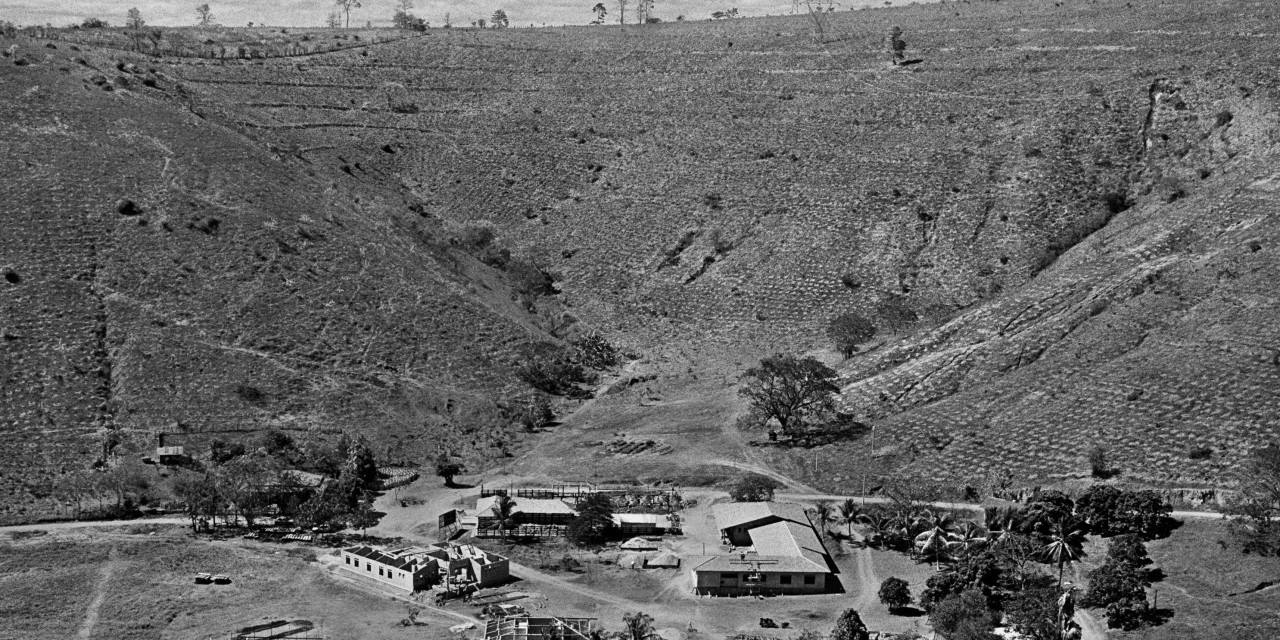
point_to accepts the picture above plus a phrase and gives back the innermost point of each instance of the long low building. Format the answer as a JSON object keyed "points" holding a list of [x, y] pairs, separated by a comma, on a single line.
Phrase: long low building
{"points": [[420, 568], [773, 549]]}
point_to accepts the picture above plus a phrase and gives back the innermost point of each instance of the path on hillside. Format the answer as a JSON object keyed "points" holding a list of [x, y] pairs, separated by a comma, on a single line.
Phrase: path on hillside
{"points": [[1090, 628], [955, 506], [99, 595]]}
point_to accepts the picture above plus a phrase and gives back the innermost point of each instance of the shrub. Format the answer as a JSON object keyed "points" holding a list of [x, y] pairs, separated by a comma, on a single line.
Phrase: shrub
{"points": [[596, 352], [549, 368], [1200, 452], [1128, 614], [1098, 462], [1034, 613], [849, 626]]}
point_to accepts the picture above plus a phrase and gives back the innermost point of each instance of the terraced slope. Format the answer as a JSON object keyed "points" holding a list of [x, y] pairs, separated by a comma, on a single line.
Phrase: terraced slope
{"points": [[163, 273]]}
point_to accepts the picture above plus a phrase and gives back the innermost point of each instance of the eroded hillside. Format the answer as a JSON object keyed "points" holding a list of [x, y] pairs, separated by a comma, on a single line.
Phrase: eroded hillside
{"points": [[1065, 235]]}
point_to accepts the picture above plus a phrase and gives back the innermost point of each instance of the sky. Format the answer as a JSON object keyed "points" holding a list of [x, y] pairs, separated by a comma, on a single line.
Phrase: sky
{"points": [[311, 13]]}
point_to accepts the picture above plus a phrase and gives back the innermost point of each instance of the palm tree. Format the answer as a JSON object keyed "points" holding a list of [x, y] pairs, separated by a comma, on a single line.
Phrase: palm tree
{"points": [[1066, 544], [850, 511], [821, 515], [938, 534], [878, 521], [637, 626], [503, 509], [970, 536]]}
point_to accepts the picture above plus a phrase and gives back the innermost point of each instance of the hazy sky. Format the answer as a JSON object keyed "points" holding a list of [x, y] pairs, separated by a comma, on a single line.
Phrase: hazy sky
{"points": [[303, 13]]}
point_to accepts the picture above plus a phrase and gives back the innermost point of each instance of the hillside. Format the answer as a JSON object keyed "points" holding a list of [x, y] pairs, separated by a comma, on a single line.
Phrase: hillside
{"points": [[1066, 234]]}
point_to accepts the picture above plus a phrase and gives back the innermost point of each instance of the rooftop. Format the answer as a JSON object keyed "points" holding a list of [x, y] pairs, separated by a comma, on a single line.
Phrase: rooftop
{"points": [[526, 505], [736, 514]]}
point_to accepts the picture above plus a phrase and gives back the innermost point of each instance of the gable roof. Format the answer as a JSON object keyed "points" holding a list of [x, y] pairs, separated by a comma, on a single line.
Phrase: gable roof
{"points": [[737, 514], [484, 506]]}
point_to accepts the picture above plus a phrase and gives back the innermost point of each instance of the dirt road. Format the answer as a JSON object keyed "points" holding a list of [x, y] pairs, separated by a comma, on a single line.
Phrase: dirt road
{"points": [[99, 595], [79, 524]]}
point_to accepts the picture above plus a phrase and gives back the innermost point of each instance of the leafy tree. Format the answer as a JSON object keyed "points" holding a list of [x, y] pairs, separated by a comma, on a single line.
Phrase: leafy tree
{"points": [[1112, 512], [204, 15], [600, 11], [964, 616], [789, 389], [595, 517], [200, 493], [753, 488], [535, 414], [133, 19], [1122, 576], [637, 626], [276, 443], [333, 20], [644, 10], [403, 18], [1034, 613], [499, 19], [622, 11], [1066, 544], [1044, 509], [345, 6], [895, 593], [447, 469], [848, 331], [849, 626], [361, 464], [94, 23], [1128, 614]]}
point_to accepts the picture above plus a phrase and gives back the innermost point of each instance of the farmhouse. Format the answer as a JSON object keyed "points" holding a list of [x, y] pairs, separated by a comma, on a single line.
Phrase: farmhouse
{"points": [[418, 568], [773, 549], [170, 455]]}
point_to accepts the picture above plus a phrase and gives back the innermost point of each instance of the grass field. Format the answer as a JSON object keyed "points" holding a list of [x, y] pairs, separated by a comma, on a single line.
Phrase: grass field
{"points": [[132, 583]]}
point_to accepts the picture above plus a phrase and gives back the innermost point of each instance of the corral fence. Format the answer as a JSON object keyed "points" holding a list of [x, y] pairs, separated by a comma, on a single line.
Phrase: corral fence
{"points": [[522, 532]]}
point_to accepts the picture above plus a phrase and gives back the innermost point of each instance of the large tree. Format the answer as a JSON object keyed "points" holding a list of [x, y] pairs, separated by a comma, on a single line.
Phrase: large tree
{"points": [[1066, 544], [753, 488], [848, 331], [504, 509], [133, 19], [790, 390], [1257, 506], [895, 593], [499, 19], [595, 516], [849, 626], [600, 11], [346, 6], [447, 469], [204, 15], [937, 535], [638, 626]]}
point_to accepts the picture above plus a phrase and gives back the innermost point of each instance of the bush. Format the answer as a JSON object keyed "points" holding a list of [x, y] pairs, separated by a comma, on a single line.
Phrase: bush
{"points": [[596, 352], [1034, 613], [1200, 453], [848, 331], [1128, 614], [548, 368]]}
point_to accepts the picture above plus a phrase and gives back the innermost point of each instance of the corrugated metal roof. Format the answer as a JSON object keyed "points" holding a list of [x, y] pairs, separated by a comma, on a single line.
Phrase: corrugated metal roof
{"points": [[737, 514], [484, 506]]}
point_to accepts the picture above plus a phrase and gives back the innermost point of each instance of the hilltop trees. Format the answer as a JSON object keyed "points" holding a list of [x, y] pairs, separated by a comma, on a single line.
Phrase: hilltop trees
{"points": [[345, 6], [600, 12], [790, 390], [622, 11], [94, 23], [204, 15], [848, 331], [404, 19], [644, 11], [133, 19], [499, 19]]}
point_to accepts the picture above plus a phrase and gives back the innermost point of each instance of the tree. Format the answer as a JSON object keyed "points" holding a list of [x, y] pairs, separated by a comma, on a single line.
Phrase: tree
{"points": [[1122, 576], [895, 45], [403, 18], [1098, 462], [593, 349], [204, 15], [753, 488], [345, 6], [964, 616], [595, 516], [937, 537], [133, 19], [504, 511], [600, 12], [822, 515], [637, 626], [1128, 614], [644, 10], [789, 389], [94, 23], [222, 452], [361, 464], [1112, 512], [848, 331], [1034, 613], [276, 443], [849, 512], [549, 368], [447, 469], [895, 593], [499, 19], [1044, 509], [333, 20], [1066, 544], [622, 11], [849, 626]]}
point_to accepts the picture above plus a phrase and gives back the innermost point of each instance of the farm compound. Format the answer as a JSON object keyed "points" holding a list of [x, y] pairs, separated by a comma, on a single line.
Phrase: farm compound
{"points": [[773, 549], [525, 627], [418, 568]]}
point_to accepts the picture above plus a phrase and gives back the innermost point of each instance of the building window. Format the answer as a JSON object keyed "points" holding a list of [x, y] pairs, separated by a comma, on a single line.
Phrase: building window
{"points": [[810, 580], [784, 579], [347, 559], [368, 566]]}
